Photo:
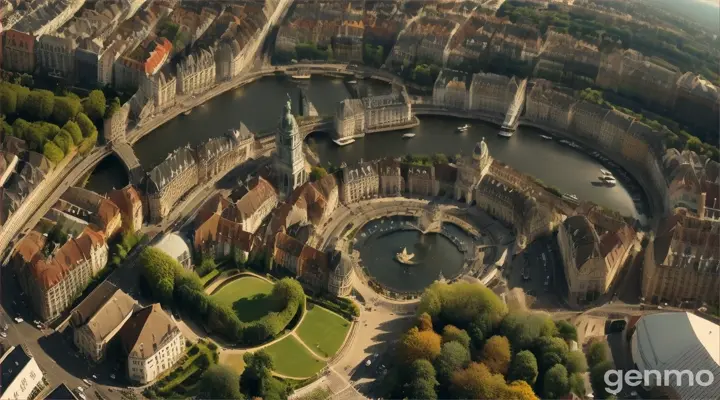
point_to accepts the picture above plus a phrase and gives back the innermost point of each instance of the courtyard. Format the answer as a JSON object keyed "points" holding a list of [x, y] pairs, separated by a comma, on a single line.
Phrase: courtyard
{"points": [[249, 297]]}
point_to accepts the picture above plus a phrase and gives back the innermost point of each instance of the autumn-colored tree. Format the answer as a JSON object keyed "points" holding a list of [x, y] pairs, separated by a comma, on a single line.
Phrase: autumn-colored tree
{"points": [[424, 322], [416, 345], [476, 382], [520, 390], [452, 333], [524, 367], [496, 354]]}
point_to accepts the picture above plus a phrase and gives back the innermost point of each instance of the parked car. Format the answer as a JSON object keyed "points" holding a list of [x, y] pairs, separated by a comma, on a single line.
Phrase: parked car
{"points": [[19, 320]]}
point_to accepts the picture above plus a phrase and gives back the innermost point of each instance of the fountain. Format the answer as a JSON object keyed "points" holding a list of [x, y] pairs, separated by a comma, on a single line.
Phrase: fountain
{"points": [[405, 258]]}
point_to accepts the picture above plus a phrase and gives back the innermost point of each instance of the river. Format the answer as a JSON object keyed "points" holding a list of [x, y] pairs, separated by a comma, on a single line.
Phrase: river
{"points": [[259, 106]]}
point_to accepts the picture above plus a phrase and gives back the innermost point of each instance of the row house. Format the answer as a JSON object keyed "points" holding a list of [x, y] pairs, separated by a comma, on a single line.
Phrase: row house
{"points": [[450, 90], [160, 90], [130, 204], [697, 102], [386, 110], [359, 182], [87, 205], [56, 55], [53, 274], [143, 61], [549, 107], [491, 93], [219, 155], [18, 51], [169, 181], [349, 119], [196, 73]]}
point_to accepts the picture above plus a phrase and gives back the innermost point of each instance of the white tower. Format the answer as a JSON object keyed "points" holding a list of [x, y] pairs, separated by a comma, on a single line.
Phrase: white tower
{"points": [[289, 157]]}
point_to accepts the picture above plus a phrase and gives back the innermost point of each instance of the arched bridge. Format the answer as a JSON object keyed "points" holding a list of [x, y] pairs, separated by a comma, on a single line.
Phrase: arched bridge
{"points": [[314, 124], [126, 154]]}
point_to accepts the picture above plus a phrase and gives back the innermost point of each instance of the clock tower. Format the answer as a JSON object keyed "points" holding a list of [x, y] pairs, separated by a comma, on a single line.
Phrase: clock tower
{"points": [[289, 158]]}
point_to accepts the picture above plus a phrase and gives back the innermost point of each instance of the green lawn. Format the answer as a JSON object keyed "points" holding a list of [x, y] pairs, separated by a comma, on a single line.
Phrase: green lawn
{"points": [[248, 296], [323, 331], [292, 359]]}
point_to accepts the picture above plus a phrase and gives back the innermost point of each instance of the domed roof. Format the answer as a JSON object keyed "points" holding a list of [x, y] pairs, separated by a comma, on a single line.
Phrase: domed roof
{"points": [[480, 150]]}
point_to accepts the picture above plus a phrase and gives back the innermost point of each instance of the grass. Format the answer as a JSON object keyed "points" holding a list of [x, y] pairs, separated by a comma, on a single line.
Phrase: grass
{"points": [[205, 279], [292, 359], [234, 361], [323, 331], [248, 296]]}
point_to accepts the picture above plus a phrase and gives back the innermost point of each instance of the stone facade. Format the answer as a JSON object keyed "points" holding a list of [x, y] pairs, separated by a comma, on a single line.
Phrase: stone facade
{"points": [[115, 127], [52, 282], [450, 90], [131, 208], [289, 158], [491, 93], [683, 262], [255, 205], [160, 89], [169, 181], [387, 110], [196, 73], [341, 274], [350, 119], [360, 182], [471, 171], [19, 51], [392, 182], [56, 55], [219, 155]]}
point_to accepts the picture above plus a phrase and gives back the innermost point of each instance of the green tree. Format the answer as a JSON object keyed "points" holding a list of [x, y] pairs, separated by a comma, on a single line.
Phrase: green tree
{"points": [[496, 354], [597, 379], [20, 129], [476, 382], [39, 105], [555, 382], [5, 128], [65, 109], [550, 351], [220, 382], [53, 153], [257, 380], [566, 330], [64, 141], [524, 367], [424, 322], [72, 128], [576, 362], [113, 107], [597, 353], [416, 345], [453, 357], [94, 105], [461, 303], [478, 329], [8, 100], [316, 173], [452, 333], [86, 126], [577, 385], [159, 270], [522, 329], [439, 158], [206, 266], [421, 383]]}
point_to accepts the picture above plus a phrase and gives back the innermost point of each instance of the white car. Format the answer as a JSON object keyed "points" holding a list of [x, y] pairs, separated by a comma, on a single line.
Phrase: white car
{"points": [[19, 320], [87, 382], [80, 389], [112, 376], [3, 334]]}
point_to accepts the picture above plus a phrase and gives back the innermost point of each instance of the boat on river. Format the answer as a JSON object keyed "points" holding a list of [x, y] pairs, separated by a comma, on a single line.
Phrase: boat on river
{"points": [[608, 180], [463, 128], [408, 135], [300, 77], [187, 112], [546, 137], [505, 133]]}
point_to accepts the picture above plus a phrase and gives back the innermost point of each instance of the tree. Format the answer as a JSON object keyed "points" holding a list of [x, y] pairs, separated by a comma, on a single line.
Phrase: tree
{"points": [[206, 266], [520, 390], [421, 381], [424, 323], [523, 328], [258, 367], [416, 345], [159, 269], [453, 334], [453, 357], [94, 105], [461, 303], [577, 385], [496, 354], [39, 105], [72, 128], [476, 382], [555, 382], [597, 353], [220, 382], [317, 172], [693, 144], [439, 158], [86, 126], [597, 378], [65, 109], [64, 141], [550, 351], [20, 128], [113, 107], [524, 367], [53, 153], [576, 362], [479, 327], [8, 101], [566, 330]]}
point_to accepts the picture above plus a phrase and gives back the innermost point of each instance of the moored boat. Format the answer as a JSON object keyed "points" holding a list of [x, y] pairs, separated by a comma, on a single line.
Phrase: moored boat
{"points": [[546, 137], [408, 135]]}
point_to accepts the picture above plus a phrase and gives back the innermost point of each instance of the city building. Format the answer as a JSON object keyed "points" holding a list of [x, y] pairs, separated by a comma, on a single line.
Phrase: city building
{"points": [[18, 51], [115, 127], [592, 256], [491, 93], [450, 90], [392, 182], [145, 60], [387, 110], [219, 236], [682, 263], [55, 56], [421, 180], [97, 210], [471, 171], [52, 274], [341, 274], [286, 252], [169, 181], [359, 182], [62, 392], [697, 102], [196, 73], [229, 60], [152, 342], [176, 247], [289, 158], [349, 119], [130, 205], [98, 318], [160, 89], [669, 342], [219, 155], [20, 373], [255, 205]]}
